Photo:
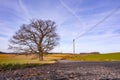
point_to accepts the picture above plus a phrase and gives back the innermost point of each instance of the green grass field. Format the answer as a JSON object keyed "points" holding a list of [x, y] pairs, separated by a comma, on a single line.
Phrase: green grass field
{"points": [[97, 57]]}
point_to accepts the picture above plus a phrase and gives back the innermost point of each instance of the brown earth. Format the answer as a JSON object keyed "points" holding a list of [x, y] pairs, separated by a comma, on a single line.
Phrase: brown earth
{"points": [[67, 70]]}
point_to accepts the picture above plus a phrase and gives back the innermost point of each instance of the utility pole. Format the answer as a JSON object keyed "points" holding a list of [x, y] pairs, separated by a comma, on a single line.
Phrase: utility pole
{"points": [[73, 46]]}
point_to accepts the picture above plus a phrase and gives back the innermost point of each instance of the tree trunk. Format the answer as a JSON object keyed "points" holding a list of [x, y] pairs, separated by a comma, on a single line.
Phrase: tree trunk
{"points": [[40, 56]]}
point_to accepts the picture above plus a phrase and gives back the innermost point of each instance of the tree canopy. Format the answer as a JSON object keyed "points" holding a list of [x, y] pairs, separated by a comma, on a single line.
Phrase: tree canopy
{"points": [[37, 37]]}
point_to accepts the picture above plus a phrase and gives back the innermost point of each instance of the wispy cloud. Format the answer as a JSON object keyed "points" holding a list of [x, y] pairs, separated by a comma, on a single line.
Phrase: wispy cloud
{"points": [[73, 18], [24, 9], [4, 44]]}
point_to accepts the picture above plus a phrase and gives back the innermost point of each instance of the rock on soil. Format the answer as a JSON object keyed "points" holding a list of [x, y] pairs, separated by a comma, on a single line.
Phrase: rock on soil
{"points": [[67, 70]]}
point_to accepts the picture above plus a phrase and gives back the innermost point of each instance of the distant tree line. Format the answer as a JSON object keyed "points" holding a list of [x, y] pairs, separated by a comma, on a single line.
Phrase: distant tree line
{"points": [[90, 53]]}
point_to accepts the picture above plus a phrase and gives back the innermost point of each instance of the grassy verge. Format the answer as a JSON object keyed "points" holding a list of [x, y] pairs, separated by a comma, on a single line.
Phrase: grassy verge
{"points": [[4, 67]]}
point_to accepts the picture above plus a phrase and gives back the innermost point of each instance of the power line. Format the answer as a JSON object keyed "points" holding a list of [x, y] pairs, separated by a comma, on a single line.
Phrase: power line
{"points": [[106, 17], [101, 21], [74, 46]]}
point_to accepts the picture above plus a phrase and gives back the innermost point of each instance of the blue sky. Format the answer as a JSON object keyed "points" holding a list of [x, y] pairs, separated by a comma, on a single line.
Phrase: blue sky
{"points": [[74, 18]]}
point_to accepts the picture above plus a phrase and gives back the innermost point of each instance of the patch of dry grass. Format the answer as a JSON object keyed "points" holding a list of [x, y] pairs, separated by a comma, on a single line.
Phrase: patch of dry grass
{"points": [[32, 58], [52, 58]]}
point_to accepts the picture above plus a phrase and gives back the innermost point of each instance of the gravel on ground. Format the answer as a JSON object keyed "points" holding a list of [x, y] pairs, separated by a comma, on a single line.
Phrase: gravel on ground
{"points": [[66, 70]]}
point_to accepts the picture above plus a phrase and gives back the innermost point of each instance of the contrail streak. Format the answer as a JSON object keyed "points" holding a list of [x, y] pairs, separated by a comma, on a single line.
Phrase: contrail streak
{"points": [[23, 7], [71, 11]]}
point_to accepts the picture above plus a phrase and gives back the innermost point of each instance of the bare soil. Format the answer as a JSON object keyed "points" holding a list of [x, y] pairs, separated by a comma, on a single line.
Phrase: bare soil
{"points": [[66, 70]]}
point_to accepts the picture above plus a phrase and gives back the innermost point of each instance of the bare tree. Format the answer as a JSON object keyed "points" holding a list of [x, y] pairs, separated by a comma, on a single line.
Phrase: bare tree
{"points": [[37, 37]]}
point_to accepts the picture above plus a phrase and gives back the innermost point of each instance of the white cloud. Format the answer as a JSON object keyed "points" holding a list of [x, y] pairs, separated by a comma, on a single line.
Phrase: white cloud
{"points": [[4, 45]]}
